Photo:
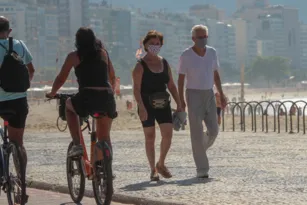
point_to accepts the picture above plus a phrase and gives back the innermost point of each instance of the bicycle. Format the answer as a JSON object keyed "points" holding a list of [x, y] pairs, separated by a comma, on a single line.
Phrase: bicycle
{"points": [[99, 172], [13, 185], [61, 120]]}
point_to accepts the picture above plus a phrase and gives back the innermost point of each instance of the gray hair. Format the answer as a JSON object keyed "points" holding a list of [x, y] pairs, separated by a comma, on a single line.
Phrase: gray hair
{"points": [[199, 27]]}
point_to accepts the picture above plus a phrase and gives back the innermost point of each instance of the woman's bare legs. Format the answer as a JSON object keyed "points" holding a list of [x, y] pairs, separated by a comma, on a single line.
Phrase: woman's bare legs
{"points": [[74, 128], [150, 136], [103, 127], [167, 134]]}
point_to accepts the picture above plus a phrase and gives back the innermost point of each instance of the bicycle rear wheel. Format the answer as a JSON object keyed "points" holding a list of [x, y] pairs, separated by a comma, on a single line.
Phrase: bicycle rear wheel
{"points": [[16, 183], [74, 169], [103, 179]]}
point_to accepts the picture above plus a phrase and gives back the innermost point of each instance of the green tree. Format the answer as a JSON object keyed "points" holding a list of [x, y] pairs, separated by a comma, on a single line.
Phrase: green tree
{"points": [[273, 68]]}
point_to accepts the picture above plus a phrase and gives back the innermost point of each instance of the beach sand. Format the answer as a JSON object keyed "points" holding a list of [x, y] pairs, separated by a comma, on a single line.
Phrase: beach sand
{"points": [[43, 115]]}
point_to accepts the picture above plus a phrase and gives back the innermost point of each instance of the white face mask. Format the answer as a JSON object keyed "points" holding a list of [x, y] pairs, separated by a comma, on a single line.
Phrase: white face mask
{"points": [[154, 49]]}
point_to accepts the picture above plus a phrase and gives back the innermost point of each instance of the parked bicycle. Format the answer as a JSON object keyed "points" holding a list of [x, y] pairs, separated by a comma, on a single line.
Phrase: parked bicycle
{"points": [[100, 172], [61, 122], [14, 185]]}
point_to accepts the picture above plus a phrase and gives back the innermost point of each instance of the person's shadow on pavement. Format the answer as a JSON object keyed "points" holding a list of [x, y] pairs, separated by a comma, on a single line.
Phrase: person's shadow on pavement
{"points": [[147, 184], [70, 203]]}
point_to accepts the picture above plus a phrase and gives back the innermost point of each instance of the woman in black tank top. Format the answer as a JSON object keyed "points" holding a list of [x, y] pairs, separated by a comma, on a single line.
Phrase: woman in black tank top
{"points": [[151, 77], [96, 79]]}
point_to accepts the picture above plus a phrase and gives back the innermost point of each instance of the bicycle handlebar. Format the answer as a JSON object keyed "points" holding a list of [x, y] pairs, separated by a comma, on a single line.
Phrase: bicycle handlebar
{"points": [[60, 96]]}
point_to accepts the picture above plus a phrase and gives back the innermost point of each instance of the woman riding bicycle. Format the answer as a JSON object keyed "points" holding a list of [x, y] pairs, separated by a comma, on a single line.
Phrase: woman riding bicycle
{"points": [[96, 78]]}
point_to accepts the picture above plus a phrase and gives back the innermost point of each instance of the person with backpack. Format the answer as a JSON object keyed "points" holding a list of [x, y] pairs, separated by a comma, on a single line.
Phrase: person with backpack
{"points": [[16, 72]]}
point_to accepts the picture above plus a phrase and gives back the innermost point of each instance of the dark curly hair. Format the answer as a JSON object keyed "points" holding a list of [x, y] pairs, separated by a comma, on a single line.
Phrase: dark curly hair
{"points": [[87, 44]]}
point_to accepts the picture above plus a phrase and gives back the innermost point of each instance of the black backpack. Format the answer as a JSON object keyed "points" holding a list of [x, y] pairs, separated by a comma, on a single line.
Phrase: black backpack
{"points": [[14, 75]]}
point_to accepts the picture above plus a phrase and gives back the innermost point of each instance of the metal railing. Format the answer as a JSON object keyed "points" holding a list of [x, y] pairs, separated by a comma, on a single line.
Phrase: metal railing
{"points": [[286, 110]]}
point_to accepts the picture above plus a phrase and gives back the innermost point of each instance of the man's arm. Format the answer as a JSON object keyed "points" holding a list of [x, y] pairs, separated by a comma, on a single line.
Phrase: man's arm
{"points": [[217, 78], [180, 89], [182, 70], [31, 70], [217, 82], [28, 60], [172, 88]]}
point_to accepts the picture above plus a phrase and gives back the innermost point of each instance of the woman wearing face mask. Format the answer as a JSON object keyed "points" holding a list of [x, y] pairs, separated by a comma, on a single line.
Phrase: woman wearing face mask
{"points": [[151, 77]]}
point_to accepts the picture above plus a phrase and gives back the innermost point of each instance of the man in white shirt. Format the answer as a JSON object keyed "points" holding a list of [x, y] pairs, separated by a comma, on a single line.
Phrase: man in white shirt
{"points": [[199, 66]]}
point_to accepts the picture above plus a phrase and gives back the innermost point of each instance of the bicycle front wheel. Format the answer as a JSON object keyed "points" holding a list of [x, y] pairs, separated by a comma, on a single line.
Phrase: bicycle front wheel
{"points": [[15, 175], [75, 172], [103, 180]]}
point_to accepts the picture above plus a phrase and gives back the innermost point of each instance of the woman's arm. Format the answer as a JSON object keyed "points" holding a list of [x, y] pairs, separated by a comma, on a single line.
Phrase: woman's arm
{"points": [[111, 71], [137, 75], [64, 73], [172, 88]]}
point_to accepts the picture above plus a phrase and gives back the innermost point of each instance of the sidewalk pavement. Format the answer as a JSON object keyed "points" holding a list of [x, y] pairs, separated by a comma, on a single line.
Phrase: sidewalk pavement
{"points": [[246, 168], [39, 197]]}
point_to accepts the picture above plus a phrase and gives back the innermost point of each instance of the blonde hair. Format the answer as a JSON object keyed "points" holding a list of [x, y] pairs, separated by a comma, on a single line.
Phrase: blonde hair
{"points": [[199, 27]]}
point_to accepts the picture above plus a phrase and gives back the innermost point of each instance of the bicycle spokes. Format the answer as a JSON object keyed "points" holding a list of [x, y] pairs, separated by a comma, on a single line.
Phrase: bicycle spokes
{"points": [[103, 182], [15, 187], [75, 177]]}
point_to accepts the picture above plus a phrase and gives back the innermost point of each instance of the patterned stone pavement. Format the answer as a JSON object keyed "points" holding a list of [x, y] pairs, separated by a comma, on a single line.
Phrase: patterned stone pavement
{"points": [[39, 197], [246, 168]]}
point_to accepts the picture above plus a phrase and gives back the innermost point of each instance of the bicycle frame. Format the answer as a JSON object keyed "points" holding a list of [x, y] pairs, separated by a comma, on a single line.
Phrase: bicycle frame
{"points": [[4, 129], [3, 134], [87, 169]]}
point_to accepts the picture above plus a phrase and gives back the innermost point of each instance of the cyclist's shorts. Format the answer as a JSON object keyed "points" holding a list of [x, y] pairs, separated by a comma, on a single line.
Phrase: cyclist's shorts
{"points": [[89, 101], [20, 107]]}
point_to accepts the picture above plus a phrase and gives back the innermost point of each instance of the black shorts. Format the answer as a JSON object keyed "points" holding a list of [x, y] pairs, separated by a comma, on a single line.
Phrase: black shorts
{"points": [[88, 102], [21, 109], [218, 110], [160, 115]]}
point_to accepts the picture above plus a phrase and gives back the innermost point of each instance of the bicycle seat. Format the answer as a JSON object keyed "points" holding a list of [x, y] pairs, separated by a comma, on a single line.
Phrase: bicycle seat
{"points": [[98, 114], [7, 113]]}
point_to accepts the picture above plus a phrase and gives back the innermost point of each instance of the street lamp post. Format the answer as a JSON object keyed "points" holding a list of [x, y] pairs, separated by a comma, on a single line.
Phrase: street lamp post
{"points": [[242, 91]]}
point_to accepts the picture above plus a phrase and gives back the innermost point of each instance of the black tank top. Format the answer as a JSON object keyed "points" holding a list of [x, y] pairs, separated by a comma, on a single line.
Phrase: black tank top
{"points": [[154, 82], [92, 73]]}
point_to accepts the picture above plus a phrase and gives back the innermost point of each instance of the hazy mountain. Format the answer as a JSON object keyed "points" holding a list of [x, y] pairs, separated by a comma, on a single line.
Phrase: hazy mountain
{"points": [[182, 5]]}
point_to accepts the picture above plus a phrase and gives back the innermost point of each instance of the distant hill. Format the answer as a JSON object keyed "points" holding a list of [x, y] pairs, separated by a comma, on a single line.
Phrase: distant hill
{"points": [[183, 5]]}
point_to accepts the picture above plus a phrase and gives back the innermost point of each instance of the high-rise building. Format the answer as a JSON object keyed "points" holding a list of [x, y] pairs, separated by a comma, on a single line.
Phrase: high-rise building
{"points": [[222, 38], [113, 27], [207, 11], [246, 41], [281, 25], [303, 43], [72, 14], [16, 15], [252, 3], [241, 34], [277, 23], [51, 36], [251, 42]]}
